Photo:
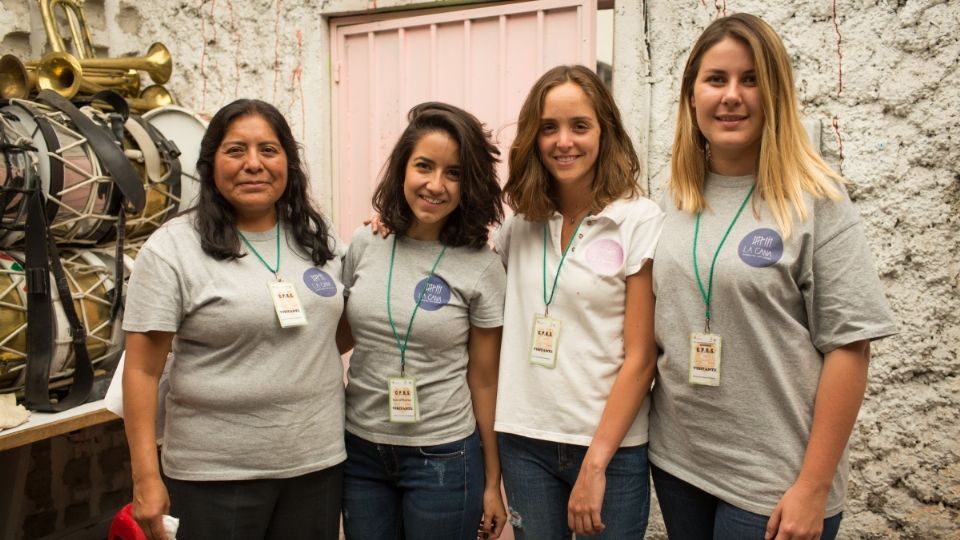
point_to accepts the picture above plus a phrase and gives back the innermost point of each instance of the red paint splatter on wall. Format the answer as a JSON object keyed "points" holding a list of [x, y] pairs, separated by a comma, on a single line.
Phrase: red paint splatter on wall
{"points": [[836, 28], [297, 83], [276, 50], [203, 57], [235, 34], [721, 7]]}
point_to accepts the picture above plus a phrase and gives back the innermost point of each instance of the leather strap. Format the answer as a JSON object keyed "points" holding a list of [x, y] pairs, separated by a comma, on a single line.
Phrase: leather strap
{"points": [[40, 327], [169, 153], [111, 156]]}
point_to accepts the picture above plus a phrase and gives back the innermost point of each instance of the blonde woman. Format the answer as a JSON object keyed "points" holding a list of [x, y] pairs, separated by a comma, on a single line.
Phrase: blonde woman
{"points": [[767, 300]]}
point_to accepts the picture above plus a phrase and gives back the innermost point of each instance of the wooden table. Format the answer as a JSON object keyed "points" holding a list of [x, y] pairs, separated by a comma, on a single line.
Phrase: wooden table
{"points": [[45, 425], [15, 452]]}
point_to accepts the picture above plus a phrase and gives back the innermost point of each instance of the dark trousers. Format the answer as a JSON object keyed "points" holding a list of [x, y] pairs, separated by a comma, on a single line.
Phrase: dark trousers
{"points": [[690, 513], [303, 507]]}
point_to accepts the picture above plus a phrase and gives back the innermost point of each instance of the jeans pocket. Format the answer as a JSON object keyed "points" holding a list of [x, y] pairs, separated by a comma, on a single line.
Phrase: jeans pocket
{"points": [[449, 450]]}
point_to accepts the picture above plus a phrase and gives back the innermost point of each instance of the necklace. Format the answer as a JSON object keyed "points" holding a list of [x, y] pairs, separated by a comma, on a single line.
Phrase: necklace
{"points": [[572, 218]]}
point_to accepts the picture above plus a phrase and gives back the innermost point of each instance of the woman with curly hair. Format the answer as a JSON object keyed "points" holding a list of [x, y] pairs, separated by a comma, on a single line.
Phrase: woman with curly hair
{"points": [[246, 292], [426, 309]]}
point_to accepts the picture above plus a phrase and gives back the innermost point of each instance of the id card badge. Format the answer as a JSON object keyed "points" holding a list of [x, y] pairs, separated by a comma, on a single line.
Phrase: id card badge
{"points": [[404, 406], [545, 341], [287, 303], [705, 359]]}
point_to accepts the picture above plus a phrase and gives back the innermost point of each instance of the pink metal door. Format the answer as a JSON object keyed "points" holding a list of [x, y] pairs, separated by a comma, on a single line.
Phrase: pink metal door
{"points": [[482, 59]]}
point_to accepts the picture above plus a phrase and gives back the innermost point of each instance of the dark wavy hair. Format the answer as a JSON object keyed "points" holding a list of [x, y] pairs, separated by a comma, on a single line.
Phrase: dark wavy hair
{"points": [[479, 204], [215, 220], [530, 189]]}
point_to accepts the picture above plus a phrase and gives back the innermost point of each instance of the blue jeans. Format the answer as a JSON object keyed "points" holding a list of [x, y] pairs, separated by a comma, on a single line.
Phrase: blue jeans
{"points": [[690, 513], [539, 475], [305, 507], [413, 492]]}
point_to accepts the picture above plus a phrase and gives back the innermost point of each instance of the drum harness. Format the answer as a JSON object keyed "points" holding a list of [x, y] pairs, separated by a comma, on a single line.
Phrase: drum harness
{"points": [[43, 257]]}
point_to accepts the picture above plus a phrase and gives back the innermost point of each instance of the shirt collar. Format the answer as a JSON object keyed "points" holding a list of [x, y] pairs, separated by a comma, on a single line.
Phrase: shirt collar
{"points": [[614, 212]]}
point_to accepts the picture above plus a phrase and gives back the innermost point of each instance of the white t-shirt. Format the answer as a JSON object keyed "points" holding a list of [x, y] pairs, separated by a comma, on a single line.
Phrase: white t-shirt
{"points": [[564, 404]]}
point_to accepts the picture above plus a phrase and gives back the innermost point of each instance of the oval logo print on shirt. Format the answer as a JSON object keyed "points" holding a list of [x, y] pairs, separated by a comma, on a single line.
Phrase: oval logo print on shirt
{"points": [[761, 248], [605, 256], [436, 295], [319, 282]]}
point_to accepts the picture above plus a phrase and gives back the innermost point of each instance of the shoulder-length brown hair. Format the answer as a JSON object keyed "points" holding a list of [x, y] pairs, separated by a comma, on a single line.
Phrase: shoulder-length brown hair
{"points": [[468, 224], [530, 188], [788, 166]]}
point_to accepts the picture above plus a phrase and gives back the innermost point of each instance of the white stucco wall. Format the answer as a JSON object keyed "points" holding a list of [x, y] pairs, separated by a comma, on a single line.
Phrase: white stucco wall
{"points": [[897, 116]]}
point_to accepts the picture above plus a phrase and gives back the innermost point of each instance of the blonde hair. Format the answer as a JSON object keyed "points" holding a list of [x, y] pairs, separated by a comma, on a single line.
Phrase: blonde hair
{"points": [[530, 189], [788, 165]]}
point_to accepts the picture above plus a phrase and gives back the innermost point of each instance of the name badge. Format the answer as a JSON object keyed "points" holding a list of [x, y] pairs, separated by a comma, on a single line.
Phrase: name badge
{"points": [[705, 359], [287, 303], [404, 406], [545, 341]]}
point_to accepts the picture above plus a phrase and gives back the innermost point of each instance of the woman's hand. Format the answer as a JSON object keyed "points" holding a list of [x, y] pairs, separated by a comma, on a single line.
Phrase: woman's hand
{"points": [[586, 500], [799, 514], [494, 514], [377, 226], [150, 503]]}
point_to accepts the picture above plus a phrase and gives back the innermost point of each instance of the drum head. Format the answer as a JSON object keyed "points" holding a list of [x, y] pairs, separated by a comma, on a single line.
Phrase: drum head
{"points": [[13, 320], [186, 130], [18, 175]]}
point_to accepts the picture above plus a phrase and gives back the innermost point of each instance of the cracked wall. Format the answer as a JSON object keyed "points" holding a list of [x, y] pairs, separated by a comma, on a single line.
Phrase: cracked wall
{"points": [[879, 76]]}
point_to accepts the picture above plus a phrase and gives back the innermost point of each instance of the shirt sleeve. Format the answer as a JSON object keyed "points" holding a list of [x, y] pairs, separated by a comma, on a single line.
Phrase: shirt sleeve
{"points": [[154, 294], [501, 239], [350, 260], [643, 236], [843, 294], [486, 307]]}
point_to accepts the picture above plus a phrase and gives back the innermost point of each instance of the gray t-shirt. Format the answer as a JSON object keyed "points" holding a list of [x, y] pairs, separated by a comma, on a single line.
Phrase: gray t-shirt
{"points": [[779, 306], [247, 399], [466, 290]]}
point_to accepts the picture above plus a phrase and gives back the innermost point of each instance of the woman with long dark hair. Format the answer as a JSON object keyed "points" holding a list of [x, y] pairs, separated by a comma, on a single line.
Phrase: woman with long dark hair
{"points": [[246, 292]]}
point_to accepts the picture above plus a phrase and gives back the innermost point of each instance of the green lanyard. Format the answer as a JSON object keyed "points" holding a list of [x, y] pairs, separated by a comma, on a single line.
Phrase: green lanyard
{"points": [[274, 271], [403, 346], [556, 278], [708, 294]]}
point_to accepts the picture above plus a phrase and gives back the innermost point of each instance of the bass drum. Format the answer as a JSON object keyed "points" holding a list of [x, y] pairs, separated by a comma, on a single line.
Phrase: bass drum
{"points": [[185, 128], [18, 176], [162, 196], [91, 284], [13, 320], [81, 201]]}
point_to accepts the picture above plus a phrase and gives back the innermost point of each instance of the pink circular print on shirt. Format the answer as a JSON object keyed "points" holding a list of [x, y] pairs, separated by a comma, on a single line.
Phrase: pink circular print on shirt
{"points": [[605, 256]]}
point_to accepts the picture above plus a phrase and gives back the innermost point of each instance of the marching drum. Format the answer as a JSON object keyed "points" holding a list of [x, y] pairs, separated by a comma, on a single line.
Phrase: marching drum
{"points": [[91, 283], [186, 129], [161, 197], [13, 320], [18, 176], [80, 198]]}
